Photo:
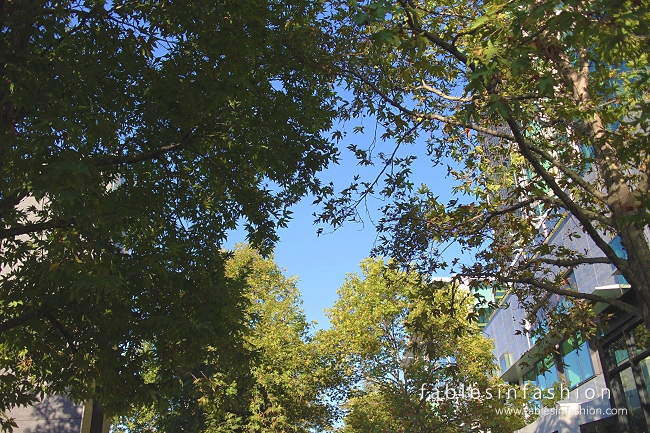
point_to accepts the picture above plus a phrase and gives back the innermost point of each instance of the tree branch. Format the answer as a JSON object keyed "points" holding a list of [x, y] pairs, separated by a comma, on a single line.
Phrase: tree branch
{"points": [[428, 116], [571, 262], [23, 319], [615, 302], [590, 214], [491, 214], [567, 202], [144, 156], [374, 183], [442, 94], [575, 177], [48, 315], [524, 146], [416, 28], [11, 201], [33, 228]]}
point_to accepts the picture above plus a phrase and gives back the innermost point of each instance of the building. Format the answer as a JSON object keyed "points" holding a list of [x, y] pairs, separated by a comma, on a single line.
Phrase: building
{"points": [[57, 414], [604, 381]]}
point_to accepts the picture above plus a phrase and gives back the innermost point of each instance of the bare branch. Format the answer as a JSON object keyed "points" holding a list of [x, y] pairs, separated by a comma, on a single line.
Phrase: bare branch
{"points": [[615, 302], [442, 94], [428, 116]]}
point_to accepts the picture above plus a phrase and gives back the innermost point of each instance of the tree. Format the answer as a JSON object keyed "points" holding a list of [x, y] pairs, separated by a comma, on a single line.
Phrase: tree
{"points": [[536, 107], [405, 351], [134, 136], [279, 389]]}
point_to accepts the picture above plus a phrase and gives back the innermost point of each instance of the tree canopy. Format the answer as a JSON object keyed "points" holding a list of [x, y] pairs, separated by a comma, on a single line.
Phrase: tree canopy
{"points": [[133, 136], [405, 352], [537, 109], [394, 348], [280, 384]]}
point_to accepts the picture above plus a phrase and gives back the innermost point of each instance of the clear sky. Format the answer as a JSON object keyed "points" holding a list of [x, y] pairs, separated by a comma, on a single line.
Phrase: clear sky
{"points": [[322, 262]]}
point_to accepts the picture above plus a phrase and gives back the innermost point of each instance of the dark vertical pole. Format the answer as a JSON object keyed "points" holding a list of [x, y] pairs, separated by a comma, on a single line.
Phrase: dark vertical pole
{"points": [[613, 382], [638, 379], [97, 420]]}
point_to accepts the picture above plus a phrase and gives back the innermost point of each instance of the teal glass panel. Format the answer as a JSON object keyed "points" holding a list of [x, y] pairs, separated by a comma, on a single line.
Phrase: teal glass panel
{"points": [[620, 251], [577, 361], [618, 351], [633, 402], [546, 373], [586, 366], [530, 377], [618, 247]]}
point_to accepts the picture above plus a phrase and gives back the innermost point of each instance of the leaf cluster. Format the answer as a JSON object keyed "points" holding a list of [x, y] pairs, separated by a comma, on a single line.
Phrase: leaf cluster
{"points": [[397, 339], [134, 135], [535, 112], [275, 385]]}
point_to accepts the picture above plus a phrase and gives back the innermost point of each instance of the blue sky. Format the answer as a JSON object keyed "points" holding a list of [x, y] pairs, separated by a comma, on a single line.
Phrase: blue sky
{"points": [[321, 263]]}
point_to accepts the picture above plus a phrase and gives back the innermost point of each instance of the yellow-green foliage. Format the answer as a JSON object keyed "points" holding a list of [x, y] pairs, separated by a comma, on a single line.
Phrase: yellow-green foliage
{"points": [[394, 335]]}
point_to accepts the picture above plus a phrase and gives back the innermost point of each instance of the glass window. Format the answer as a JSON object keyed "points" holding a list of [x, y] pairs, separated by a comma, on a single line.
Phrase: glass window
{"points": [[635, 413], [530, 376], [505, 362], [618, 351], [546, 372], [618, 247], [533, 339], [630, 375], [619, 250], [577, 361], [588, 155], [542, 376], [619, 279]]}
